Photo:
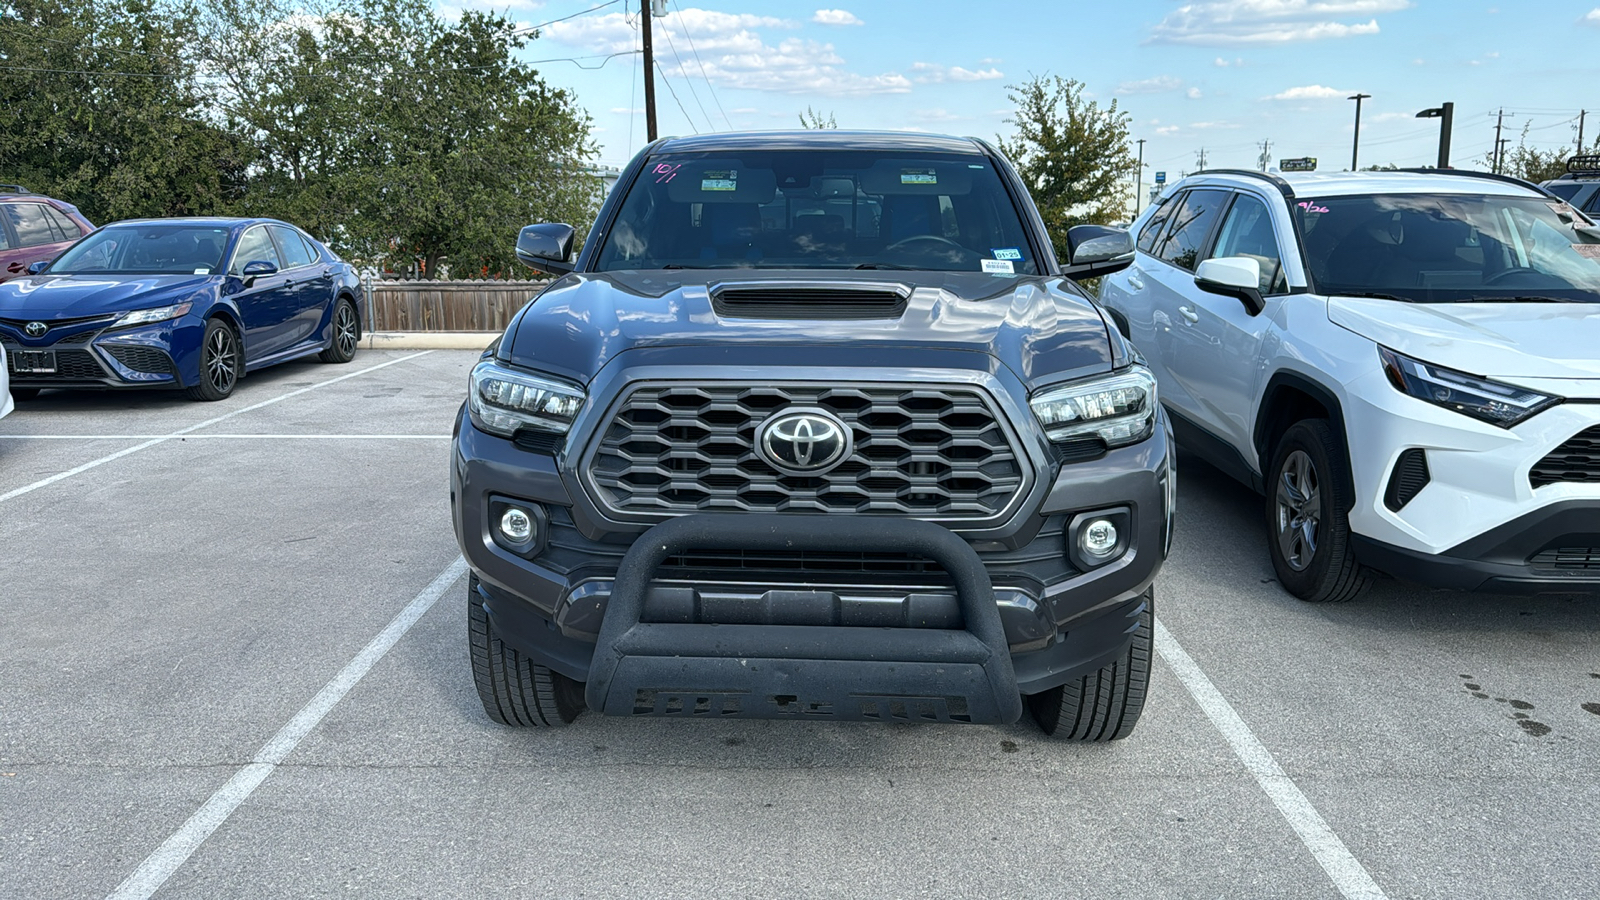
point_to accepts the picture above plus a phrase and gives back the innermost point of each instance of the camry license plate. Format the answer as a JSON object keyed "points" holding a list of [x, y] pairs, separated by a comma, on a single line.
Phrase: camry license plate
{"points": [[35, 362]]}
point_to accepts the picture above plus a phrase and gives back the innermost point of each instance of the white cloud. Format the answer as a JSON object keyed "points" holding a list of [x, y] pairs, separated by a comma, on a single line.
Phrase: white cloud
{"points": [[1592, 17], [1221, 63], [1311, 92], [1206, 126], [1234, 22], [1168, 129], [1156, 85], [732, 52], [937, 115], [628, 111], [933, 73], [836, 17], [1492, 54], [1193, 93]]}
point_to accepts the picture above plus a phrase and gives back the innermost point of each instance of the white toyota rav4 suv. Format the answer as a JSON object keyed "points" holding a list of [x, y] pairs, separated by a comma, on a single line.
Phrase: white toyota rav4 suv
{"points": [[1406, 364]]}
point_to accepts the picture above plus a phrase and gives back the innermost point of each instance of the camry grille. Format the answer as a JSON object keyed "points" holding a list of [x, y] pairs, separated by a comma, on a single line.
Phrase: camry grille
{"points": [[935, 452], [1577, 460]]}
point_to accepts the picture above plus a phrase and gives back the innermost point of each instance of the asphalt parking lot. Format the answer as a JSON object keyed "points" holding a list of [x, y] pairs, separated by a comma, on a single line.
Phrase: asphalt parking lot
{"points": [[233, 664]]}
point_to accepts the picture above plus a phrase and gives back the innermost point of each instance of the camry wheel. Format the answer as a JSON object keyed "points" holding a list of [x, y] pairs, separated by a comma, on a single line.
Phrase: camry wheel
{"points": [[1308, 528], [346, 334], [220, 362]]}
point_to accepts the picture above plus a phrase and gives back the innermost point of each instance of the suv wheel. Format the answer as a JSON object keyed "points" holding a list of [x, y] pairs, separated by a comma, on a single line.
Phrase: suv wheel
{"points": [[513, 690], [1308, 527], [1104, 705]]}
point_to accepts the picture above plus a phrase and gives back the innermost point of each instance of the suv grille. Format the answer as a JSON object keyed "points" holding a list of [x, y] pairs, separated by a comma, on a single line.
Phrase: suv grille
{"points": [[930, 451], [1578, 460]]}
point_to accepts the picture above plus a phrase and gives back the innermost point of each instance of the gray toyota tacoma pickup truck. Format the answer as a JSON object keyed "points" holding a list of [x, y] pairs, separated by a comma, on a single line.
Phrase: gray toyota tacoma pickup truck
{"points": [[815, 426]]}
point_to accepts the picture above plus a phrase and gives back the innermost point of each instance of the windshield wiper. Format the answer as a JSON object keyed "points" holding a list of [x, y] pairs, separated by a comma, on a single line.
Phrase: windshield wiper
{"points": [[1371, 295], [885, 266], [1520, 299]]}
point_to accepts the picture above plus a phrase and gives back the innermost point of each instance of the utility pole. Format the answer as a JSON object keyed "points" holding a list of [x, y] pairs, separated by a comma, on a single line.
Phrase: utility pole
{"points": [[1498, 143], [1580, 131], [1355, 144], [1138, 181], [1266, 154], [1201, 156], [649, 73]]}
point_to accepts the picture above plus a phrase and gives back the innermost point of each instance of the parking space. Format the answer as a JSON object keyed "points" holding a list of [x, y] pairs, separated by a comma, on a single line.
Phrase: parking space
{"points": [[169, 610]]}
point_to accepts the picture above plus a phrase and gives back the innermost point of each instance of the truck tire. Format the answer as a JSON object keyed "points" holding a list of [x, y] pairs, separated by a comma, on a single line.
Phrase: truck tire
{"points": [[1104, 705], [514, 691], [1308, 522]]}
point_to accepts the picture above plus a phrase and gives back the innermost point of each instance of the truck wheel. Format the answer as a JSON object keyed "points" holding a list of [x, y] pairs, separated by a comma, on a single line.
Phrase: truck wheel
{"points": [[1308, 526], [1104, 705], [514, 691]]}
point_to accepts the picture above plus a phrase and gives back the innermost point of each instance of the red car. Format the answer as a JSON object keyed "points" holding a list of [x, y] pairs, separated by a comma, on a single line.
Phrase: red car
{"points": [[34, 228]]}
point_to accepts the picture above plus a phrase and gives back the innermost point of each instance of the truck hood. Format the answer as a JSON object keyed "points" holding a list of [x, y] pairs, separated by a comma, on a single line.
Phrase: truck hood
{"points": [[48, 297], [1495, 340], [1033, 325]]}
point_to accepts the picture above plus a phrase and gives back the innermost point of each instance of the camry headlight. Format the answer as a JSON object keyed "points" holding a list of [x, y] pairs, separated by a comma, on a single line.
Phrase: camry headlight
{"points": [[146, 316], [503, 400], [1120, 409], [1488, 401]]}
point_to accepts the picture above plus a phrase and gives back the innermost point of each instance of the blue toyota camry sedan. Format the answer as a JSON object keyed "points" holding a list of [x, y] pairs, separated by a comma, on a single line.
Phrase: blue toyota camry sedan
{"points": [[179, 303]]}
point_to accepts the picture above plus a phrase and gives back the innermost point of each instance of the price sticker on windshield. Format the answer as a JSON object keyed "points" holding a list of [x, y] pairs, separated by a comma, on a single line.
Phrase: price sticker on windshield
{"points": [[999, 267], [720, 181], [918, 176]]}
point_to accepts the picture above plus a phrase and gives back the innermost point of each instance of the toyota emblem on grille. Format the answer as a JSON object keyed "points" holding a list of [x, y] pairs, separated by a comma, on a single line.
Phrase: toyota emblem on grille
{"points": [[803, 443], [36, 329]]}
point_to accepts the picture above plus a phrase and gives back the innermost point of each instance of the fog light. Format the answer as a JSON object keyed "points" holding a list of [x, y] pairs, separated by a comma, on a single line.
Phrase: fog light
{"points": [[1098, 539], [517, 525]]}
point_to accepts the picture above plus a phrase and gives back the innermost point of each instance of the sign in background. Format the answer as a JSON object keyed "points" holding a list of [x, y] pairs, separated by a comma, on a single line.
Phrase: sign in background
{"points": [[1298, 164]]}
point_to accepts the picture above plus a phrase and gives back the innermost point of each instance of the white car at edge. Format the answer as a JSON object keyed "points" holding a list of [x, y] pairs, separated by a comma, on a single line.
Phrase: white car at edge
{"points": [[1407, 365], [6, 403]]}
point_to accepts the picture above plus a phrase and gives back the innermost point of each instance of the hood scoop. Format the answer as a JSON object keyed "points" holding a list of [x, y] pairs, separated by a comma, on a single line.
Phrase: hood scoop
{"points": [[814, 300]]}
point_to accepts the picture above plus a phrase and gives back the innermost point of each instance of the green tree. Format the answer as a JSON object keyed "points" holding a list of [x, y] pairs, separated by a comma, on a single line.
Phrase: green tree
{"points": [[813, 119], [1073, 155], [99, 106], [1531, 163]]}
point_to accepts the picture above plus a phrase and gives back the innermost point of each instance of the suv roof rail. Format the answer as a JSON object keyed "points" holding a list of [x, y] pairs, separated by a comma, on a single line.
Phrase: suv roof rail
{"points": [[1491, 176], [1283, 186], [1584, 165], [14, 189]]}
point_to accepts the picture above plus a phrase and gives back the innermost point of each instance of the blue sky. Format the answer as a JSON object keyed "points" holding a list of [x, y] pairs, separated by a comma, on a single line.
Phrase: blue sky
{"points": [[1222, 75]]}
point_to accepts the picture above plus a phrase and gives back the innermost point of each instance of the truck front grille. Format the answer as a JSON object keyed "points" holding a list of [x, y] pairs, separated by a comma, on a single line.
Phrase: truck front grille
{"points": [[934, 452]]}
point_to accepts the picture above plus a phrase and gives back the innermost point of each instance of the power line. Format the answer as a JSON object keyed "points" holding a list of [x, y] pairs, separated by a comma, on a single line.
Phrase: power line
{"points": [[564, 18], [674, 92], [690, 38], [687, 80]]}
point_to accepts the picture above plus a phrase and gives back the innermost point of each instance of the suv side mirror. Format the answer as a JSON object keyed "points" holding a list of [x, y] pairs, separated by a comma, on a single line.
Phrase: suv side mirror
{"points": [[1232, 276], [546, 247], [35, 268], [1094, 250]]}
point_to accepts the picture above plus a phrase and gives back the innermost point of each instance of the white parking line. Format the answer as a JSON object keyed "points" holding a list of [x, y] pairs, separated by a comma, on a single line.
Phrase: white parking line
{"points": [[1348, 875], [176, 850], [46, 482], [226, 437]]}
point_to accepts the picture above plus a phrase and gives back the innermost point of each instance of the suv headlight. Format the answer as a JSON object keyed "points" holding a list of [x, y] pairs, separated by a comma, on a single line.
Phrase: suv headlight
{"points": [[158, 314], [502, 400], [1120, 409], [1487, 401]]}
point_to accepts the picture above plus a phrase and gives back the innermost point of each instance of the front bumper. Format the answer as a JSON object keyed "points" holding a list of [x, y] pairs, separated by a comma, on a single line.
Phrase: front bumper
{"points": [[88, 355], [1552, 550], [1059, 620]]}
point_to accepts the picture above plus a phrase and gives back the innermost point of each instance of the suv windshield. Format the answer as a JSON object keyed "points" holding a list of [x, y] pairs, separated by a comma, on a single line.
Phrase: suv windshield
{"points": [[1441, 248], [788, 209], [156, 249]]}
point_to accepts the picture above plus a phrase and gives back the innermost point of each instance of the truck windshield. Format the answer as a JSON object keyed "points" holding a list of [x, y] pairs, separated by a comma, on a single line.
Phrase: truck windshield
{"points": [[155, 249], [1445, 248], [790, 209]]}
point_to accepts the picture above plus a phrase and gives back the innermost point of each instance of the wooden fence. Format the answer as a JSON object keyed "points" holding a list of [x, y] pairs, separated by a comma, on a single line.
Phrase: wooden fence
{"points": [[447, 305]]}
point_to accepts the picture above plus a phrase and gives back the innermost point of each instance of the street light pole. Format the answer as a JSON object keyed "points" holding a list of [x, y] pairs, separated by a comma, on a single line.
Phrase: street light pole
{"points": [[1355, 145], [1446, 114], [1138, 180], [649, 73]]}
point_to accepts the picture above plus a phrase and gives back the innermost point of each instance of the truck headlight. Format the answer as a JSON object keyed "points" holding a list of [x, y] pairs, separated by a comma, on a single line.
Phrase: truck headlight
{"points": [[502, 400], [1120, 409], [1487, 401]]}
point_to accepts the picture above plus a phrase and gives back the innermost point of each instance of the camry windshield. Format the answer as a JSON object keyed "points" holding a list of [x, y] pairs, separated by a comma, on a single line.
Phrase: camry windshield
{"points": [[154, 249], [831, 209], [1441, 248]]}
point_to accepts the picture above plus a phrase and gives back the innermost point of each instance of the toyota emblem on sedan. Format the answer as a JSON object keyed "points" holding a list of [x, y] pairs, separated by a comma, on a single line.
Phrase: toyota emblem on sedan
{"points": [[803, 443], [36, 329]]}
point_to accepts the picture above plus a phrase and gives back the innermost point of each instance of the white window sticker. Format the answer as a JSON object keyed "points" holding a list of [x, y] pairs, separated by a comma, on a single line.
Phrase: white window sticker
{"points": [[202, 271], [999, 267], [1006, 253], [720, 181], [918, 176]]}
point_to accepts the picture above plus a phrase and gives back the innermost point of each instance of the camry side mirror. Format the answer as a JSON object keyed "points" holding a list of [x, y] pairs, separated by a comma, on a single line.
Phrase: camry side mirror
{"points": [[1094, 250], [258, 269], [1233, 276], [546, 247], [35, 268]]}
